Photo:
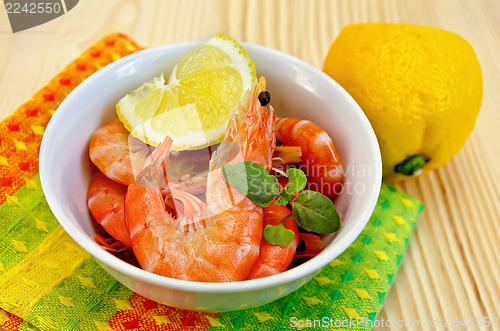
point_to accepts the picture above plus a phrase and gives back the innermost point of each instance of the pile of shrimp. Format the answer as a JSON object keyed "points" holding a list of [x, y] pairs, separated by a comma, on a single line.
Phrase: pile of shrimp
{"points": [[196, 226]]}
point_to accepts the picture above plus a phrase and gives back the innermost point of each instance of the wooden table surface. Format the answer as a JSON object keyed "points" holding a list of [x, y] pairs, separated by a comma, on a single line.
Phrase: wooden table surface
{"points": [[451, 268]]}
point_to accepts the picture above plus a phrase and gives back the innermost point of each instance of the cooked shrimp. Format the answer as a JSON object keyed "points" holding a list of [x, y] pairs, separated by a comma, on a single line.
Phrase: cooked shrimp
{"points": [[221, 242], [320, 161], [274, 259], [312, 245], [106, 201], [110, 153], [116, 154]]}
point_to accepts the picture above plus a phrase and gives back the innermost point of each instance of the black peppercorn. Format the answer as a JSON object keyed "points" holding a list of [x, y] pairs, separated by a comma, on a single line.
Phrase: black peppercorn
{"points": [[264, 98], [301, 246]]}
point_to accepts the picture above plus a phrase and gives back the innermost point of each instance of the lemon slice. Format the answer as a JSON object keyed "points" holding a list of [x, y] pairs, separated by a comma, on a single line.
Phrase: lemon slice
{"points": [[195, 106]]}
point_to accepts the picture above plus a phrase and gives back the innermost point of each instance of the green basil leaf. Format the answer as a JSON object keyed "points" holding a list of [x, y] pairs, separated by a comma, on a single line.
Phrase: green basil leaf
{"points": [[278, 235], [315, 212], [285, 196], [297, 179], [252, 180]]}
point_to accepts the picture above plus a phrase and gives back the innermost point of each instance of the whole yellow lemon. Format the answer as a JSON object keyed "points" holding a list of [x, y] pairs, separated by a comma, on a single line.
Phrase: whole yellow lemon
{"points": [[420, 87]]}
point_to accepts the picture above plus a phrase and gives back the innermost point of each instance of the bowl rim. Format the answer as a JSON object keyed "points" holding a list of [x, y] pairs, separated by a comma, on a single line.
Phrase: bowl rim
{"points": [[307, 268]]}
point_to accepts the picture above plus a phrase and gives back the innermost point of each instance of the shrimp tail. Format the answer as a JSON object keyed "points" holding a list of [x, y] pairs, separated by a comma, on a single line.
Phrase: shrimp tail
{"points": [[152, 173], [110, 244]]}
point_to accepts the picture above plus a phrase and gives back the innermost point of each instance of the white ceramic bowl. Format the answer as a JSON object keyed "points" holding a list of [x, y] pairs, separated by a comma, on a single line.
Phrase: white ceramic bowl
{"points": [[298, 90]]}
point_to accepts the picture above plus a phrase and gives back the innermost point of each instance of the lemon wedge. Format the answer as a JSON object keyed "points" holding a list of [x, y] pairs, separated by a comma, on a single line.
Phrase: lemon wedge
{"points": [[194, 107]]}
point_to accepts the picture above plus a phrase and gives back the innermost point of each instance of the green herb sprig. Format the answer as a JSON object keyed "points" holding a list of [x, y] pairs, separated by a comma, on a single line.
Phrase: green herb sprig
{"points": [[311, 210]]}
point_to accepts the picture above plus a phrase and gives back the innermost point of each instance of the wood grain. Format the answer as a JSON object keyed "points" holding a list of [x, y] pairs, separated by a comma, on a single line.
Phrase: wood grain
{"points": [[452, 265]]}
